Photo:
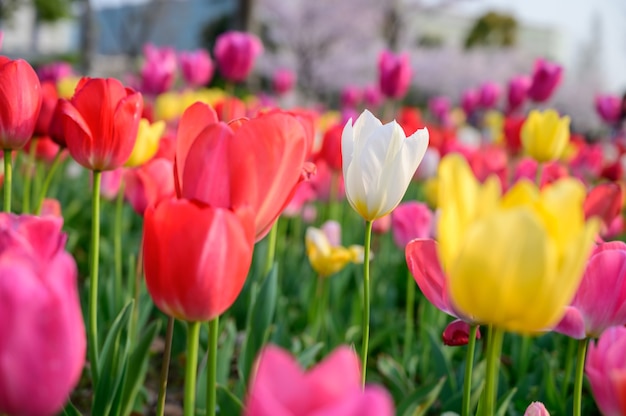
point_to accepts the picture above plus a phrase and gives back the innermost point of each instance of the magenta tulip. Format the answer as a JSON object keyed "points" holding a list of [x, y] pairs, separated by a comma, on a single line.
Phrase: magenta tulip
{"points": [[606, 359], [394, 74], [372, 96], [159, 69], [517, 92], [440, 108], [332, 388], [489, 95], [196, 67], [546, 77], [608, 107], [54, 71], [469, 101], [236, 53], [411, 220], [42, 332], [600, 302], [283, 81]]}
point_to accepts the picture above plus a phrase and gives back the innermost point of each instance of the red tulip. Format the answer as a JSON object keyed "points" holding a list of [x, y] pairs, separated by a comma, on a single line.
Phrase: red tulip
{"points": [[235, 53], [457, 333], [48, 104], [20, 102], [331, 147], [196, 257], [149, 184], [100, 123], [230, 108], [604, 201], [256, 163], [42, 330], [394, 73]]}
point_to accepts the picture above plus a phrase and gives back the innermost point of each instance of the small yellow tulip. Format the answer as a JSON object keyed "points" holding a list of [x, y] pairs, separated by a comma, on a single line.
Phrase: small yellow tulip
{"points": [[147, 144], [66, 86], [545, 135], [168, 106], [514, 261], [326, 257], [494, 122]]}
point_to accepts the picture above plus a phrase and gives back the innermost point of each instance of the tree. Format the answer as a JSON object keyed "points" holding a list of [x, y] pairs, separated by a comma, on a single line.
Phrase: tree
{"points": [[492, 29]]}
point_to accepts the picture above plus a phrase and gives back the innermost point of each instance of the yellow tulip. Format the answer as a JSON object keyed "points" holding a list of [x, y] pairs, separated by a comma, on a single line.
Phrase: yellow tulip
{"points": [[494, 122], [168, 106], [545, 135], [327, 258], [514, 261], [147, 144], [66, 86]]}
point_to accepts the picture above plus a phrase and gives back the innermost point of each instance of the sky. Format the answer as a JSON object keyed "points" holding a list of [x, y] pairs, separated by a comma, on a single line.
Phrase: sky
{"points": [[572, 17]]}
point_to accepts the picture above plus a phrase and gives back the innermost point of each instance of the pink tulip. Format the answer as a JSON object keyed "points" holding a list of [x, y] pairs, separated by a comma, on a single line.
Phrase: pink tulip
{"points": [[303, 195], [372, 96], [382, 224], [54, 71], [517, 92], [606, 360], [536, 409], [457, 333], [527, 168], [608, 107], [197, 67], [149, 184], [394, 74], [350, 96], [51, 207], [469, 101], [600, 302], [331, 388], [489, 94], [322, 182], [42, 330], [546, 77], [440, 108], [236, 53], [159, 69], [111, 182], [283, 81], [411, 220]]}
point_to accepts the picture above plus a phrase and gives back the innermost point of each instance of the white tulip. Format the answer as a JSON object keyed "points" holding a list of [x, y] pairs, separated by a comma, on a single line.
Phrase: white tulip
{"points": [[378, 163]]}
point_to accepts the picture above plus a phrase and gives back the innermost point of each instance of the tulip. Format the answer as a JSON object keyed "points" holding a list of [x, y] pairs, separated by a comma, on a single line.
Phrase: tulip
{"points": [[378, 163], [197, 67], [230, 108], [512, 133], [330, 388], [605, 202], [147, 143], [536, 409], [469, 101], [606, 363], [42, 330], [235, 53], [523, 224], [457, 333], [394, 73], [49, 101], [54, 72], [149, 184], [382, 225], [600, 301], [258, 163], [283, 81], [322, 183], [609, 108], [159, 69], [517, 92], [331, 147], [488, 95], [326, 254], [546, 77], [350, 96], [411, 220], [551, 171], [372, 96], [110, 183], [545, 135], [439, 107], [101, 122]]}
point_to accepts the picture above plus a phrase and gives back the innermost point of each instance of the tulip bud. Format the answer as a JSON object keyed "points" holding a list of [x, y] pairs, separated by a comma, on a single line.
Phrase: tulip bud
{"points": [[546, 77], [536, 409], [545, 135], [457, 333], [394, 74], [235, 53]]}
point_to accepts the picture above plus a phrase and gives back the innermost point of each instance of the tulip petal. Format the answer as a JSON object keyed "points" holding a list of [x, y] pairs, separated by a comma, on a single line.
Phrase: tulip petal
{"points": [[572, 324]]}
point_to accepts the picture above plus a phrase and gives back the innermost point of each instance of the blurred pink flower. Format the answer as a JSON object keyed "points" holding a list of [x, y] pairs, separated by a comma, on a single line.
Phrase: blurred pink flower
{"points": [[54, 71], [536, 409], [42, 329], [394, 73], [331, 388], [283, 81], [304, 194], [600, 301], [51, 207], [439, 106], [489, 95], [236, 53], [604, 201], [606, 360], [608, 107], [382, 224], [110, 183], [550, 172], [470, 100], [322, 182], [546, 77], [149, 184], [159, 69], [517, 92], [411, 220], [350, 96], [372, 96], [196, 67]]}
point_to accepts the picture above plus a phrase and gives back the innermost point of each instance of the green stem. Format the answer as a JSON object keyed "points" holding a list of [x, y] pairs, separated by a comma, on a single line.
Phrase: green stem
{"points": [[193, 336], [409, 317], [28, 180], [333, 197], [493, 365], [117, 244], [93, 272], [211, 373], [366, 300], [578, 379], [569, 361], [271, 249], [46, 183], [524, 356], [136, 290], [169, 333], [469, 366], [8, 180]]}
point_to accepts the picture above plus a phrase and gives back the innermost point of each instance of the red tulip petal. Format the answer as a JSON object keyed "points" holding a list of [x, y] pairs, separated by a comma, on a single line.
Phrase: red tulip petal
{"points": [[604, 201]]}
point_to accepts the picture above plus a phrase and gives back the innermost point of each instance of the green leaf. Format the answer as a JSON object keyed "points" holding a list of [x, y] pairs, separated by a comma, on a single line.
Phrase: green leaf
{"points": [[418, 402], [394, 373], [262, 309], [109, 358], [70, 410], [505, 401], [307, 357]]}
